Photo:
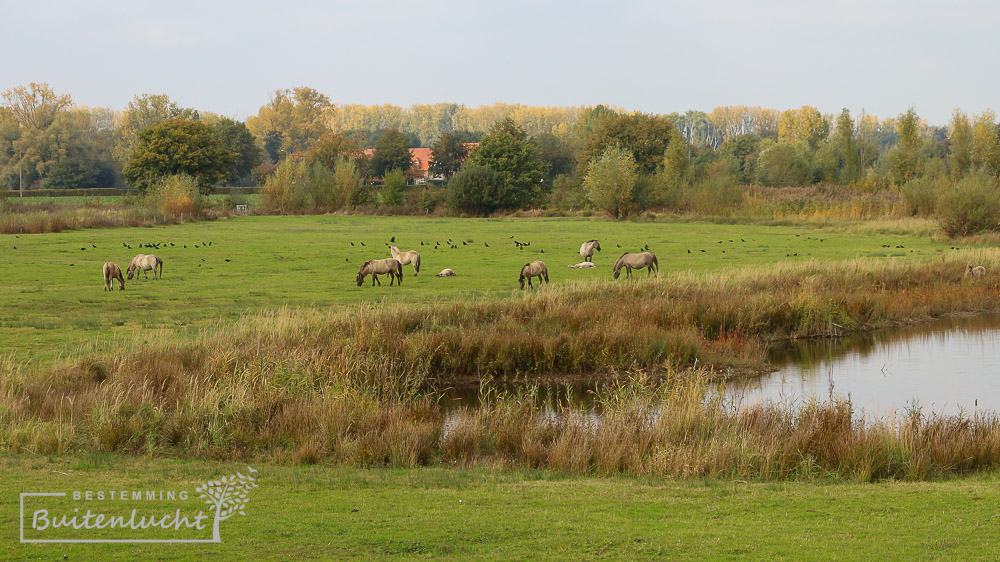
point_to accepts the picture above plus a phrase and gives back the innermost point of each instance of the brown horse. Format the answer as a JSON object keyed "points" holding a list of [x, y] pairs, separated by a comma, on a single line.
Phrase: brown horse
{"points": [[111, 272], [379, 267], [631, 261], [534, 269]]}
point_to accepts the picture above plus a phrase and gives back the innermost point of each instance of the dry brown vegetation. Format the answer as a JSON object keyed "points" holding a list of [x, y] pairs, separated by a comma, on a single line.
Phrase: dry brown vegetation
{"points": [[359, 385]]}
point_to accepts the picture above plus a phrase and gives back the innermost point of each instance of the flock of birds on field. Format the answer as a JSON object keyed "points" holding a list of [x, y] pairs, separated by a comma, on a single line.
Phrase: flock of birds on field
{"points": [[393, 266]]}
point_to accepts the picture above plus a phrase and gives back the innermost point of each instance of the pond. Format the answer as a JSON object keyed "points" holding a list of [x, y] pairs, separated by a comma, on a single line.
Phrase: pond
{"points": [[946, 366]]}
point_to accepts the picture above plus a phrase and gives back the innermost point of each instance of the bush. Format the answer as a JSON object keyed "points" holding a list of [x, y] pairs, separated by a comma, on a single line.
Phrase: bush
{"points": [[784, 164], [285, 189], [611, 182], [567, 193], [971, 207], [475, 189], [393, 189], [175, 195], [920, 195]]}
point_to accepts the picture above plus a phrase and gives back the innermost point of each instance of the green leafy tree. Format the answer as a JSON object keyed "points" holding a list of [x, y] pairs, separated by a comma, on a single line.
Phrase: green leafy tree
{"points": [[69, 173], [176, 147], [448, 154], [846, 145], [392, 152], [960, 144], [906, 158], [506, 150], [475, 189], [145, 111], [237, 139], [273, 141], [986, 144], [804, 124], [645, 137], [610, 181], [742, 149], [332, 146], [556, 154]]}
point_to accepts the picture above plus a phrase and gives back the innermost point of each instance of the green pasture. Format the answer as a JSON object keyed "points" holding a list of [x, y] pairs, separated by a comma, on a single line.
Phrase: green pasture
{"points": [[52, 300], [323, 512]]}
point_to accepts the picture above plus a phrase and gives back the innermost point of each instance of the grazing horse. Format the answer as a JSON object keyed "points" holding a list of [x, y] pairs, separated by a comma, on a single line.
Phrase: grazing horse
{"points": [[446, 273], [111, 272], [631, 261], [406, 258], [378, 267], [975, 271], [587, 249], [145, 262], [534, 269]]}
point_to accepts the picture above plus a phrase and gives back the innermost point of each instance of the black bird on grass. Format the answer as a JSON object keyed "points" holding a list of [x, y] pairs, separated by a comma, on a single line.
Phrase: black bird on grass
{"points": [[485, 244], [228, 260], [83, 248], [393, 239], [124, 245], [94, 246], [185, 245], [362, 243], [689, 251], [352, 243]]}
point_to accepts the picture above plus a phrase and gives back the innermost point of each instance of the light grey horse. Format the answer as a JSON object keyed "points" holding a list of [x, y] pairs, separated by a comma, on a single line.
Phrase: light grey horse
{"points": [[534, 269], [587, 249], [379, 267], [112, 272], [407, 258], [145, 262], [975, 271], [631, 261]]}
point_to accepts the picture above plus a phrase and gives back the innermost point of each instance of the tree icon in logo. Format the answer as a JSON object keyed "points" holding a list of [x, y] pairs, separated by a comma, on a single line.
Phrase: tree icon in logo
{"points": [[229, 496]]}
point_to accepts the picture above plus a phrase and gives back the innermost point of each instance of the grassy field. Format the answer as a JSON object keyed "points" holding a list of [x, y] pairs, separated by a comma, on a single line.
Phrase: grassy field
{"points": [[54, 303], [332, 512]]}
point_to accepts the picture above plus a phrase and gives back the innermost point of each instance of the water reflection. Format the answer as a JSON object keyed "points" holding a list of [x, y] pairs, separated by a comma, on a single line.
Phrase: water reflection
{"points": [[946, 366]]}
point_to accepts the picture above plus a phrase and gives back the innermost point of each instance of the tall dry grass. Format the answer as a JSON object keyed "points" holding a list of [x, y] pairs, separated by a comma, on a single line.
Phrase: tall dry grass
{"points": [[359, 385]]}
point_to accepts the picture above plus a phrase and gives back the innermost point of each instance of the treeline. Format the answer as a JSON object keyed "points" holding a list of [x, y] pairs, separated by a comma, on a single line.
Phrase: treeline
{"points": [[492, 158]]}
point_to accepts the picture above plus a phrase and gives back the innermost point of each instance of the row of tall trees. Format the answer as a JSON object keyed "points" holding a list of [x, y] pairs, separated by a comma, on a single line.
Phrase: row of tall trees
{"points": [[47, 141]]}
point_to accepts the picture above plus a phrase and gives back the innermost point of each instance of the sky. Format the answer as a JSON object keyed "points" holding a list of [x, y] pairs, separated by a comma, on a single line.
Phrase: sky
{"points": [[655, 57]]}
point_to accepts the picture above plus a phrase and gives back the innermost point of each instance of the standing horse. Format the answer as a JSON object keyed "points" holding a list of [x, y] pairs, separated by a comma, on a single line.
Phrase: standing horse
{"points": [[534, 269], [631, 261], [111, 272], [145, 262], [587, 249], [406, 258], [379, 267]]}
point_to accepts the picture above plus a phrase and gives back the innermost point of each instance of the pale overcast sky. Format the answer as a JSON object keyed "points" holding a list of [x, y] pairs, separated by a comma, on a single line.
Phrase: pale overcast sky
{"points": [[650, 56]]}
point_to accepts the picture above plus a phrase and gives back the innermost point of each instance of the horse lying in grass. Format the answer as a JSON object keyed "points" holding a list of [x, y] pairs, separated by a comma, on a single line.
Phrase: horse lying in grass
{"points": [[145, 262], [534, 269], [582, 265], [631, 261], [587, 249], [407, 258], [446, 273], [975, 271], [380, 267], [112, 272]]}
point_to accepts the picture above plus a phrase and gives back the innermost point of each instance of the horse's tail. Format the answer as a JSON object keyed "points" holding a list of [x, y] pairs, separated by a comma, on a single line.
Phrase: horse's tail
{"points": [[416, 265], [159, 264], [656, 264], [545, 272]]}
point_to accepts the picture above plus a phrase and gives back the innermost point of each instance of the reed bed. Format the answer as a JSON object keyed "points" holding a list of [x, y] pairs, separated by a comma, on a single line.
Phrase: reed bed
{"points": [[359, 385]]}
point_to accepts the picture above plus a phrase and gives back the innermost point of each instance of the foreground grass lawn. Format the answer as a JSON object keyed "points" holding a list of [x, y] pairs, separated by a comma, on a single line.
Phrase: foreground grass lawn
{"points": [[52, 300], [322, 512]]}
